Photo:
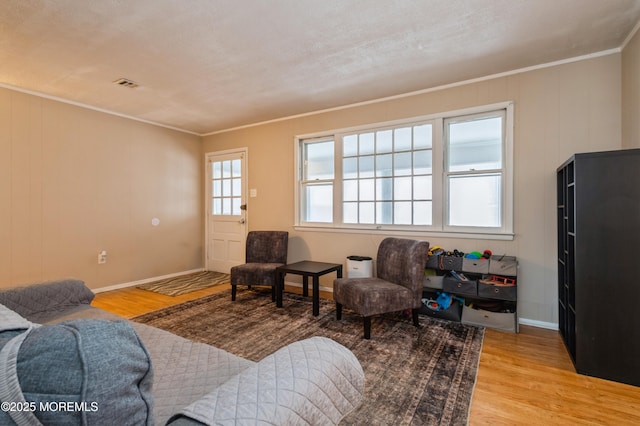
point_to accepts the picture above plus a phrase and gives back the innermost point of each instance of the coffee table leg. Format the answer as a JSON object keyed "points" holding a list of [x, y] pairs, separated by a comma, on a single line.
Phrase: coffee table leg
{"points": [[316, 295], [305, 285]]}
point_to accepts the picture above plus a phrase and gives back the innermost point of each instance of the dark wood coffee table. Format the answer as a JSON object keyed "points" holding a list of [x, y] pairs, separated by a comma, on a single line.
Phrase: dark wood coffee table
{"points": [[306, 268]]}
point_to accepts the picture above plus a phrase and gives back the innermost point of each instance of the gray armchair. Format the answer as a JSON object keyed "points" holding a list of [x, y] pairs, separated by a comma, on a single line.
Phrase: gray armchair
{"points": [[266, 250], [398, 286]]}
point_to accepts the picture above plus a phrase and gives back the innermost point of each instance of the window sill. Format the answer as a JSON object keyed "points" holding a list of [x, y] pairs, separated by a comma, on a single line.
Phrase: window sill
{"points": [[407, 232]]}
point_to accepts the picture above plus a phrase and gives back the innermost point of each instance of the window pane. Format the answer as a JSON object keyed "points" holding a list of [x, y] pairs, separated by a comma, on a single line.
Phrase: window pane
{"points": [[475, 145], [235, 168], [217, 206], [402, 188], [402, 139], [422, 188], [217, 170], [366, 166], [235, 188], [217, 188], [402, 213], [319, 160], [319, 203], [422, 162], [350, 167], [384, 189], [226, 169], [350, 145], [402, 164], [384, 166], [226, 188], [422, 136], [350, 190], [367, 190], [422, 213], [226, 206], [366, 144], [235, 206], [350, 212], [474, 200], [384, 141], [367, 212], [384, 213]]}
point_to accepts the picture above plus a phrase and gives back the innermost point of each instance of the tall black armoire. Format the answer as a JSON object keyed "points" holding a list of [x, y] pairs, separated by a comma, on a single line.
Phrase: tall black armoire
{"points": [[599, 263]]}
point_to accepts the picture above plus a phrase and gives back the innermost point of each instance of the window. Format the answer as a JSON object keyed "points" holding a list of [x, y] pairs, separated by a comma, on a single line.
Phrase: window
{"points": [[386, 176], [226, 181], [444, 173], [318, 180]]}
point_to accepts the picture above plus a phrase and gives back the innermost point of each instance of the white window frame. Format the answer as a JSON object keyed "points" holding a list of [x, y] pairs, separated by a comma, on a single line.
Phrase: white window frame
{"points": [[439, 226]]}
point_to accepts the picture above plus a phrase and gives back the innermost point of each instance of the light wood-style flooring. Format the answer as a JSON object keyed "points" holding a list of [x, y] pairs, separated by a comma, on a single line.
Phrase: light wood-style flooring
{"points": [[523, 379]]}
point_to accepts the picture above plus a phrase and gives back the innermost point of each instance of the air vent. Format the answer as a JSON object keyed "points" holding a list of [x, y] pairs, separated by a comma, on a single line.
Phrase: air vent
{"points": [[125, 82]]}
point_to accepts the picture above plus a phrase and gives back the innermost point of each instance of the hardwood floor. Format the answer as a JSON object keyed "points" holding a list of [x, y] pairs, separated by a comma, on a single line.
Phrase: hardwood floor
{"points": [[523, 379]]}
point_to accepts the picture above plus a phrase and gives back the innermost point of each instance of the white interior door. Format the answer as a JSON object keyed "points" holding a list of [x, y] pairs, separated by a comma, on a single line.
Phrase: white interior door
{"points": [[226, 209]]}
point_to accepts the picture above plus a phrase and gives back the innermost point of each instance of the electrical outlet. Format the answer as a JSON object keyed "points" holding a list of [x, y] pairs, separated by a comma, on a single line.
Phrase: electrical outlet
{"points": [[102, 257]]}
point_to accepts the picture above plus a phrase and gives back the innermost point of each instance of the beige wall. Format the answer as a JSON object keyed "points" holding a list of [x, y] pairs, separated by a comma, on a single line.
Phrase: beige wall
{"points": [[631, 93], [559, 110], [74, 181]]}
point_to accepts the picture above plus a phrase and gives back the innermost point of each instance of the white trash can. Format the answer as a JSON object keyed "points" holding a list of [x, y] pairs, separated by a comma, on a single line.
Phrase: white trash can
{"points": [[359, 267]]}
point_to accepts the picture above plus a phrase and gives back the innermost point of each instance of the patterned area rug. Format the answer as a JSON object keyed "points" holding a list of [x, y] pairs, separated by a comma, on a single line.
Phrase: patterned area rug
{"points": [[414, 376], [186, 283]]}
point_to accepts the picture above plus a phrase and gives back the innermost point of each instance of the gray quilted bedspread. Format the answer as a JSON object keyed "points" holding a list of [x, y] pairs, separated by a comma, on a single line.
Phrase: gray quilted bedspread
{"points": [[311, 382], [184, 371]]}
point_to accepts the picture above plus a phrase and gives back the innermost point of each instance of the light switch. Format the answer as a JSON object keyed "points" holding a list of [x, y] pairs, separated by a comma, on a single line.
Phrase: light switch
{"points": [[253, 193]]}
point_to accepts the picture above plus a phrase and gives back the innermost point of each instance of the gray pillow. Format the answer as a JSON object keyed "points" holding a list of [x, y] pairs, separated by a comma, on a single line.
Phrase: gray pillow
{"points": [[89, 372], [46, 296]]}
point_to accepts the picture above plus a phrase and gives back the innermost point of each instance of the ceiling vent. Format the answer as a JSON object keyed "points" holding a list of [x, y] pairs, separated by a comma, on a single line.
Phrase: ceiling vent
{"points": [[125, 82]]}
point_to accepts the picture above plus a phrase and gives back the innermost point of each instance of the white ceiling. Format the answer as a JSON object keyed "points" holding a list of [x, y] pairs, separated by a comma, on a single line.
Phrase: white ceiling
{"points": [[207, 65]]}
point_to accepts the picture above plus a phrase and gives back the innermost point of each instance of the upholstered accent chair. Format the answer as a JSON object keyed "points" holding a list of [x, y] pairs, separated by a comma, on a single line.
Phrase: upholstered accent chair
{"points": [[398, 285], [265, 251]]}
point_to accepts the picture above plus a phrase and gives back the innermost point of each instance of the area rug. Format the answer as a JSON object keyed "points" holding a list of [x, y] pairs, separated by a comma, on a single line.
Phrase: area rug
{"points": [[186, 283], [414, 376]]}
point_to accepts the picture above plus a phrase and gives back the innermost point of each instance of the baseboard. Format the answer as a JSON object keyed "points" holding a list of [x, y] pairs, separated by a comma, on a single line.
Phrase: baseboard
{"points": [[539, 324], [144, 281]]}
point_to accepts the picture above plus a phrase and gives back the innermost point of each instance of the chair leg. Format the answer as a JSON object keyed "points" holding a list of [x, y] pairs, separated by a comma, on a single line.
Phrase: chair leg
{"points": [[273, 293], [415, 313], [367, 328], [338, 311], [233, 293]]}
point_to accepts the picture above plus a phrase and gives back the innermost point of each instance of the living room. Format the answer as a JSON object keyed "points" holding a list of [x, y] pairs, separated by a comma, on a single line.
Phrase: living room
{"points": [[76, 180]]}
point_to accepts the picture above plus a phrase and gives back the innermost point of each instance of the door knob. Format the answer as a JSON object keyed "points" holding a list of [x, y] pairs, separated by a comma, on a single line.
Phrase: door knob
{"points": [[241, 221]]}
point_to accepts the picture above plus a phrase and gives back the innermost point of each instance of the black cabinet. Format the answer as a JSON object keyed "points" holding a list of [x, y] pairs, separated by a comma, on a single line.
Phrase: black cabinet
{"points": [[598, 213]]}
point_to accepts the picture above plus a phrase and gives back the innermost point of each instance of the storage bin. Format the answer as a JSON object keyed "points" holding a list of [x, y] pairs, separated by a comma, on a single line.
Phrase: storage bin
{"points": [[359, 267], [453, 313], [503, 265], [433, 261], [505, 321], [450, 263], [433, 281], [487, 288], [467, 287], [475, 266]]}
